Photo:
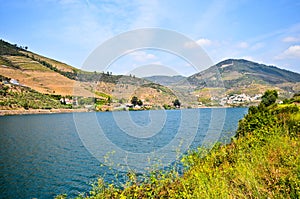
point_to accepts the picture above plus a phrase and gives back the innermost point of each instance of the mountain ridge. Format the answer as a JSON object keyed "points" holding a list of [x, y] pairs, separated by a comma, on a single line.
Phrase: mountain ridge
{"points": [[164, 79], [241, 72]]}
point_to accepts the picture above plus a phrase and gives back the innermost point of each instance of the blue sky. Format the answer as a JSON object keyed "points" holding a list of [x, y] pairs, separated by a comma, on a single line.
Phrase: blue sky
{"points": [[69, 30]]}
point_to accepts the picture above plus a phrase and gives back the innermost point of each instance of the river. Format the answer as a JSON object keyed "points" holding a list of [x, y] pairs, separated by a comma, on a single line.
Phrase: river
{"points": [[42, 156]]}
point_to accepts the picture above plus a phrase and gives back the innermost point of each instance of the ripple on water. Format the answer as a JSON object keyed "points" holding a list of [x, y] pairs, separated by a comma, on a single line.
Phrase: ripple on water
{"points": [[42, 155]]}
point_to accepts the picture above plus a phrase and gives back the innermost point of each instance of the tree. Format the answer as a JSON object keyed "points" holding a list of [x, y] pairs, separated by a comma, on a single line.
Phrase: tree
{"points": [[109, 100], [269, 98], [140, 102], [167, 106], [177, 103], [4, 90], [134, 100]]}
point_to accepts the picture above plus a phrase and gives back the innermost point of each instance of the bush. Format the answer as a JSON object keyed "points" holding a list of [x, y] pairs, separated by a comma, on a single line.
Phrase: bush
{"points": [[269, 98]]}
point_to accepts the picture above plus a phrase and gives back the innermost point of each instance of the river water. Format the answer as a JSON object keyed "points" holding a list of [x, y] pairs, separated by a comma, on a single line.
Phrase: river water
{"points": [[42, 156]]}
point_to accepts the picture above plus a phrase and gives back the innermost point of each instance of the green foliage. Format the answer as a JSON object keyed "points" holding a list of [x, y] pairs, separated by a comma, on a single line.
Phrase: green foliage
{"points": [[103, 95], [262, 161], [70, 75], [100, 101], [122, 100], [269, 98], [16, 97], [9, 49], [139, 102], [167, 107], [204, 100], [176, 103], [134, 100], [294, 99], [7, 62], [159, 88], [4, 91], [86, 101]]}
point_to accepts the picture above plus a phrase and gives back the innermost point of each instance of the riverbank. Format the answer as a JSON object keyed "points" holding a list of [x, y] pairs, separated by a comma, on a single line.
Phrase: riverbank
{"points": [[50, 111], [262, 161], [40, 111]]}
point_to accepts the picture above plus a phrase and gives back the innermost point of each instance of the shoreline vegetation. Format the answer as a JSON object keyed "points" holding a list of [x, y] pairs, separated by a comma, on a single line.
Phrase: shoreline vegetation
{"points": [[262, 161], [83, 110]]}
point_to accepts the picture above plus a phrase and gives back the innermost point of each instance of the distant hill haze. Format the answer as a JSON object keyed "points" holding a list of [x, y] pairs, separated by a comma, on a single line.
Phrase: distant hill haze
{"points": [[165, 80]]}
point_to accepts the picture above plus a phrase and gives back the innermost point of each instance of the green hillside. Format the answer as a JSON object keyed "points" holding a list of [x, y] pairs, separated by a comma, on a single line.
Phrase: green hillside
{"points": [[239, 72], [9, 51], [51, 77]]}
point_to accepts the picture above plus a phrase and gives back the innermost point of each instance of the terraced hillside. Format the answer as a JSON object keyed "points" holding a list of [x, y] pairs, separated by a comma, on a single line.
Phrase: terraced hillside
{"points": [[49, 76]]}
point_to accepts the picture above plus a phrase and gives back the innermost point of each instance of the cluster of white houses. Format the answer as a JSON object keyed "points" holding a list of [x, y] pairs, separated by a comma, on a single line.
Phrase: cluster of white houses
{"points": [[238, 99]]}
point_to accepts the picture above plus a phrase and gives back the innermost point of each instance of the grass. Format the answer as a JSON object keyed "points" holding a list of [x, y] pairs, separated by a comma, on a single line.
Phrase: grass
{"points": [[247, 168], [25, 63], [262, 161], [252, 89], [103, 95], [18, 97], [160, 88], [59, 65]]}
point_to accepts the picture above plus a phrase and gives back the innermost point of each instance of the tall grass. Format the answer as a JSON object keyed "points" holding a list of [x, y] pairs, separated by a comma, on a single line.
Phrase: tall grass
{"points": [[262, 161]]}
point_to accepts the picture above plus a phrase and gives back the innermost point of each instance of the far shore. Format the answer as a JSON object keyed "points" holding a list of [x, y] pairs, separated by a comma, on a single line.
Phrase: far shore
{"points": [[53, 111], [39, 111]]}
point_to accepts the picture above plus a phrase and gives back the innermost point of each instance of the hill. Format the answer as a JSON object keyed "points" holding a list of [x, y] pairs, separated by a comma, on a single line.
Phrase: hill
{"points": [[237, 76], [219, 84], [165, 80], [240, 72], [48, 76], [243, 81], [36, 72]]}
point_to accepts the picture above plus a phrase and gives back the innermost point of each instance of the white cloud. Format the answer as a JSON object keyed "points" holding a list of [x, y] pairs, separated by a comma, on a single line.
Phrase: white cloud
{"points": [[201, 42], [291, 53], [204, 42], [141, 56], [291, 39]]}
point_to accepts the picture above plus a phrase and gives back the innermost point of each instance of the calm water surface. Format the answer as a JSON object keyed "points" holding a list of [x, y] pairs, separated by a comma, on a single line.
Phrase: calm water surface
{"points": [[42, 156]]}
